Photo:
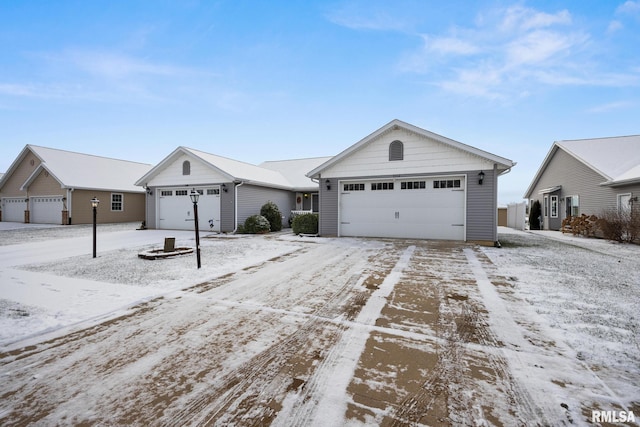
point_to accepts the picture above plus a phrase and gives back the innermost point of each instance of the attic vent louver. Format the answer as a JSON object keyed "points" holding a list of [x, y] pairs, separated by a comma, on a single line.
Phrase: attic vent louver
{"points": [[396, 150], [186, 168]]}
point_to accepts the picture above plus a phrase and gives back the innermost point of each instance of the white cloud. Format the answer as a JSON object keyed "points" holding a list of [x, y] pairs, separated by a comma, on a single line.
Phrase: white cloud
{"points": [[519, 18], [366, 16], [629, 8], [614, 26], [449, 45], [510, 53], [604, 108], [114, 65], [539, 46]]}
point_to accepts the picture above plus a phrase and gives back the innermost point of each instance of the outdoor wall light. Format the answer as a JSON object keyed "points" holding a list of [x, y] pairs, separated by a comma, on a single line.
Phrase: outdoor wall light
{"points": [[328, 184], [224, 188], [480, 177], [149, 192]]}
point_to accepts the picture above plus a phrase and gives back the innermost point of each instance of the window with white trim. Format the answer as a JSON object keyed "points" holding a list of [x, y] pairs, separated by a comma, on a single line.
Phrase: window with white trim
{"points": [[181, 192], [572, 204], [554, 206], [166, 193], [213, 191], [186, 167], [117, 202], [546, 206]]}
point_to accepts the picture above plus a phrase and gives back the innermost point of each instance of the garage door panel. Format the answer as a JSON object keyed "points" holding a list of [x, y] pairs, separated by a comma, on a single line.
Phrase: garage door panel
{"points": [[13, 209], [175, 209], [46, 210], [409, 210]]}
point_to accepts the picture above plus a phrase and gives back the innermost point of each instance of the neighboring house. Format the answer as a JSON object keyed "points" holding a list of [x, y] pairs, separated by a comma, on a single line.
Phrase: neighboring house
{"points": [[230, 190], [50, 186], [403, 181], [586, 176]]}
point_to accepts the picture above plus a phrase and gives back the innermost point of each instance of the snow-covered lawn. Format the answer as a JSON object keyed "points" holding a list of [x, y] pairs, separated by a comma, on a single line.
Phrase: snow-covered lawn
{"points": [[285, 330]]}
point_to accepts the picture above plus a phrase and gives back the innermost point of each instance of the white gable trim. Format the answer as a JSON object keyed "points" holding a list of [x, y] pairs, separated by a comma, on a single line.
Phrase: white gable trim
{"points": [[398, 124], [41, 167]]}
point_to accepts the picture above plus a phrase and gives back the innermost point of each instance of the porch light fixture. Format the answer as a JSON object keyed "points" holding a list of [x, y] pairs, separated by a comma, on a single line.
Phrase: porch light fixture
{"points": [[94, 206], [194, 195], [328, 184], [224, 188], [480, 177]]}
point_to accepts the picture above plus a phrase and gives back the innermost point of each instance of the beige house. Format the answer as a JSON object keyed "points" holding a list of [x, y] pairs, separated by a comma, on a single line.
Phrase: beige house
{"points": [[50, 186]]}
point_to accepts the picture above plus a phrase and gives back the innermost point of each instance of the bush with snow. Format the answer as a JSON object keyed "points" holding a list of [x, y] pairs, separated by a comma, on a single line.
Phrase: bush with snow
{"points": [[256, 224]]}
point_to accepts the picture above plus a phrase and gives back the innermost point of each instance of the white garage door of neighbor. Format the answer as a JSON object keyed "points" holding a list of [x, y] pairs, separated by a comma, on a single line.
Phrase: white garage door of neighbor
{"points": [[13, 209], [431, 208], [175, 209], [46, 210]]}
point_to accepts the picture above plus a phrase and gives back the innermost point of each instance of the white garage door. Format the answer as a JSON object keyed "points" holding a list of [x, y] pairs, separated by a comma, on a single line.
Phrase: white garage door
{"points": [[13, 209], [46, 210], [431, 208], [175, 209]]}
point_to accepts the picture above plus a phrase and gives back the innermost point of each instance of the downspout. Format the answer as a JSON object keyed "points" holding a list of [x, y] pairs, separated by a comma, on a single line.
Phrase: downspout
{"points": [[496, 243], [235, 204], [70, 204]]}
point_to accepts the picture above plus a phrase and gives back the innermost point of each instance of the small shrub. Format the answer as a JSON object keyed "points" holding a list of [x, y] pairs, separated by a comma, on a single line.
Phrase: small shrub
{"points": [[621, 226], [534, 216], [256, 224], [271, 212], [305, 224]]}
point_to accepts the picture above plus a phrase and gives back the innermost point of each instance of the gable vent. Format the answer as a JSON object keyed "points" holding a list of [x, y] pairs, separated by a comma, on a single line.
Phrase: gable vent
{"points": [[396, 150]]}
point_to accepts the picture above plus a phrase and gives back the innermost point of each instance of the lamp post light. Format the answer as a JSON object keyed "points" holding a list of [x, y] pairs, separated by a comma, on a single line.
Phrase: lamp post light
{"points": [[94, 205], [194, 198]]}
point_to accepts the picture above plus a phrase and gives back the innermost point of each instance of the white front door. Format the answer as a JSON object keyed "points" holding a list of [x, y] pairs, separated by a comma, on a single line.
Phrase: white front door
{"points": [[175, 209], [46, 209], [422, 208], [13, 209], [624, 203]]}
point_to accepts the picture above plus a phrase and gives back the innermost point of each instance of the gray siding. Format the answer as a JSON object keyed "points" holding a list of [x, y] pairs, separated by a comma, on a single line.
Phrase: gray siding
{"points": [[252, 197], [482, 206], [328, 220], [150, 206], [579, 180], [227, 208]]}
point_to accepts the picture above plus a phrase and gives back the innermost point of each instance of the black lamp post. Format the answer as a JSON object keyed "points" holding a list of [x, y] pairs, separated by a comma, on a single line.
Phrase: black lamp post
{"points": [[194, 198], [94, 205]]}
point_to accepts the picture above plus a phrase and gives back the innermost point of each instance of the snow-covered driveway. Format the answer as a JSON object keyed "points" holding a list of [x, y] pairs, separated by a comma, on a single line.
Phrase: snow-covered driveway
{"points": [[329, 332]]}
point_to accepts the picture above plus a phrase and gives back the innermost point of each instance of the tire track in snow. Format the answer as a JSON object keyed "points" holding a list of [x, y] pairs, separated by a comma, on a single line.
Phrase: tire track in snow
{"points": [[250, 392], [323, 401]]}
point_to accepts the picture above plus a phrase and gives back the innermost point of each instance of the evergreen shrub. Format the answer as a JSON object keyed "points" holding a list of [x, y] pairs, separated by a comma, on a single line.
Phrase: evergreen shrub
{"points": [[271, 212], [256, 224], [305, 224]]}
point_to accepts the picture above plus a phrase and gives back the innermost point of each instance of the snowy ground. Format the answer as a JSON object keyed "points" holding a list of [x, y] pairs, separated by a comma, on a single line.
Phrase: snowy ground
{"points": [[288, 331]]}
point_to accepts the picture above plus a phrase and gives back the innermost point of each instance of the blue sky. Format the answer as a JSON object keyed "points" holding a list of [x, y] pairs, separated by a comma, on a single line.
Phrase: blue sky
{"points": [[270, 80]]}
